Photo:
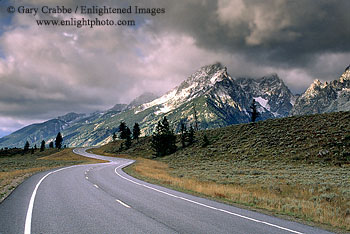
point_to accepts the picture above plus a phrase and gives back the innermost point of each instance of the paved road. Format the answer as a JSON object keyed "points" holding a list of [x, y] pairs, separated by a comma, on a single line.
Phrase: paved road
{"points": [[101, 198]]}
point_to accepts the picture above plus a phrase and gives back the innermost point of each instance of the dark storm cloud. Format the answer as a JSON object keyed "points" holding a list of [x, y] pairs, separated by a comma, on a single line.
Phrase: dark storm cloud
{"points": [[309, 35], [283, 33], [272, 31], [281, 30], [49, 71]]}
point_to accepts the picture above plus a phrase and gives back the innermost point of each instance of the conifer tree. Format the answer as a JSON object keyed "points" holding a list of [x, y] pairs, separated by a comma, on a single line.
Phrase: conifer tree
{"points": [[163, 139], [58, 141], [122, 130], [191, 135], [156, 142], [42, 146], [51, 145], [136, 132], [183, 135], [254, 113], [128, 138], [26, 147], [196, 122]]}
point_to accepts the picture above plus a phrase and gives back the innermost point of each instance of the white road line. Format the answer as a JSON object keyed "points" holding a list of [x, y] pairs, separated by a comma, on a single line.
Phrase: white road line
{"points": [[201, 204], [86, 177], [96, 185], [28, 223], [122, 203], [198, 203]]}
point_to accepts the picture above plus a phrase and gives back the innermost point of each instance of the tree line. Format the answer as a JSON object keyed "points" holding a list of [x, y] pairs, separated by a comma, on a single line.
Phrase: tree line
{"points": [[53, 144], [163, 140], [126, 134]]}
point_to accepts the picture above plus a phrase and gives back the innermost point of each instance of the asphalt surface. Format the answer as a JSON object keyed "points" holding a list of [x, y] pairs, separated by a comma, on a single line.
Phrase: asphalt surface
{"points": [[101, 198]]}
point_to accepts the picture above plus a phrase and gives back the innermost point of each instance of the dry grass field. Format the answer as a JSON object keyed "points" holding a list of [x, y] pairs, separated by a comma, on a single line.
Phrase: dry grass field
{"points": [[297, 166], [14, 169]]}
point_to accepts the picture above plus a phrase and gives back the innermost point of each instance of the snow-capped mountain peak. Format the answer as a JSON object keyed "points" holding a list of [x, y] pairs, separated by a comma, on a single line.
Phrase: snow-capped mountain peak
{"points": [[325, 97], [346, 75], [195, 85], [217, 98], [313, 89]]}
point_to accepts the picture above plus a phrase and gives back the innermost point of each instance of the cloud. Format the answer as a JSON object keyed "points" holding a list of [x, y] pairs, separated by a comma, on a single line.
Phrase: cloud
{"points": [[265, 21], [272, 32], [9, 125], [49, 71], [45, 73]]}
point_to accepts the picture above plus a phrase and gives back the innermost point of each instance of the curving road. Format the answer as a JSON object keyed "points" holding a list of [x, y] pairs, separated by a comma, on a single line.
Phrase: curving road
{"points": [[101, 198]]}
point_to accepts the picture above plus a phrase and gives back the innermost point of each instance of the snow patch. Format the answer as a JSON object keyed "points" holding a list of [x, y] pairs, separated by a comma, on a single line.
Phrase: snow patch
{"points": [[343, 92], [275, 114], [263, 102], [217, 77], [292, 101], [164, 109], [198, 83]]}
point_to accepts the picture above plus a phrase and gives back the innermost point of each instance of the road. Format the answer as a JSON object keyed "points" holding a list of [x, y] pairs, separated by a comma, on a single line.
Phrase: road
{"points": [[101, 198]]}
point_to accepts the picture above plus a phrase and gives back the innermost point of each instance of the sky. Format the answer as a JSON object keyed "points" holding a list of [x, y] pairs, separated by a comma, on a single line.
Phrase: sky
{"points": [[49, 71]]}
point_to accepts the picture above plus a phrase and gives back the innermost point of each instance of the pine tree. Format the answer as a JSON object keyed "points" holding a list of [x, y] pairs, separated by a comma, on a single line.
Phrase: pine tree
{"points": [[163, 139], [196, 124], [122, 130], [254, 113], [156, 142], [26, 147], [136, 132], [183, 135], [58, 141], [42, 146], [191, 136], [128, 138], [51, 145]]}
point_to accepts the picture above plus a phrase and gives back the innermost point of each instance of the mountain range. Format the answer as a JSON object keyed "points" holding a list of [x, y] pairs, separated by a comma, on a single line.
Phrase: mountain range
{"points": [[325, 97], [210, 95]]}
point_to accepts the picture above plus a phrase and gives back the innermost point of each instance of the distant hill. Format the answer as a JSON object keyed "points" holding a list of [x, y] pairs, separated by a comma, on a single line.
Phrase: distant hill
{"points": [[310, 139]]}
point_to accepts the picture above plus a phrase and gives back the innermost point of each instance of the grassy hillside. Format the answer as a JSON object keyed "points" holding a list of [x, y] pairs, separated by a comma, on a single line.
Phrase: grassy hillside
{"points": [[299, 166], [15, 167]]}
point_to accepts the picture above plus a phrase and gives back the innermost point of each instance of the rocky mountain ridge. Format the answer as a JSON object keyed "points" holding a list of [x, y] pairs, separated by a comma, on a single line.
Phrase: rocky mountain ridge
{"points": [[217, 98], [325, 97]]}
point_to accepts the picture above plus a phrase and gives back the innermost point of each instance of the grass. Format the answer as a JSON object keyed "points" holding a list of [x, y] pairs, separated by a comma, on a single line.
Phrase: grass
{"points": [[297, 166], [14, 169]]}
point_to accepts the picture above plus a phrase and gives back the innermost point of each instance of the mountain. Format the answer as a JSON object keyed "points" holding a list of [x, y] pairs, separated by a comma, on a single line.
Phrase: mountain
{"points": [[217, 98], [221, 100], [118, 107], [271, 93], [144, 98], [35, 133], [325, 97], [71, 117]]}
